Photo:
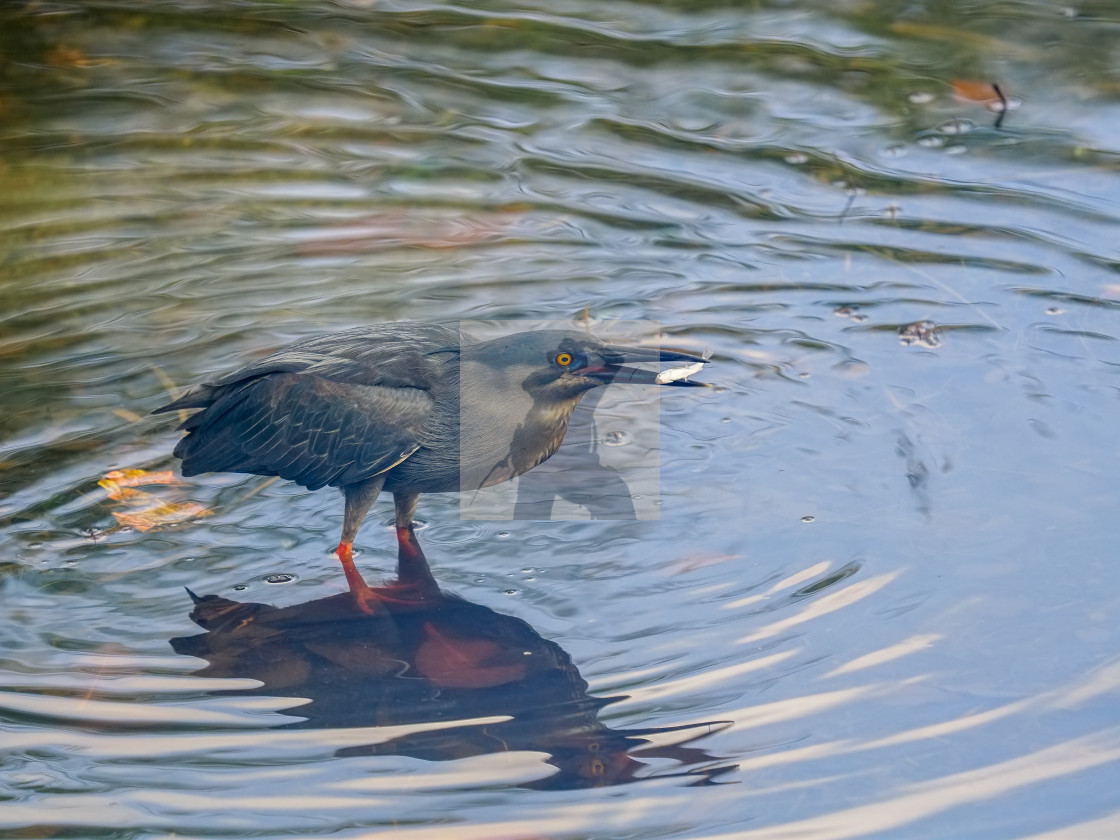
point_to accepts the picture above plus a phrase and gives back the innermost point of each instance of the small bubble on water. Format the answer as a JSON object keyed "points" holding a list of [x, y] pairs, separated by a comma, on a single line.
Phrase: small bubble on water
{"points": [[895, 150], [725, 419], [510, 592], [240, 587], [808, 518], [93, 533], [921, 97], [35, 546], [1053, 310], [616, 438], [956, 127], [1014, 103], [931, 141], [796, 158], [956, 149], [279, 578], [527, 571], [503, 535]]}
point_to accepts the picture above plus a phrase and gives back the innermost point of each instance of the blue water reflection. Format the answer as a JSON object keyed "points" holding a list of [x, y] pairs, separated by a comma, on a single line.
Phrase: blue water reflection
{"points": [[886, 541]]}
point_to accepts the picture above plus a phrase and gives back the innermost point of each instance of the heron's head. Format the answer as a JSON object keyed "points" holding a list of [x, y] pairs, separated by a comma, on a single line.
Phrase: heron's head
{"points": [[560, 365]]}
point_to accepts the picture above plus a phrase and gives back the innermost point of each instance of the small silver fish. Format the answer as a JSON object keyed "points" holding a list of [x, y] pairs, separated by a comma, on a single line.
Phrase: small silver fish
{"points": [[673, 374]]}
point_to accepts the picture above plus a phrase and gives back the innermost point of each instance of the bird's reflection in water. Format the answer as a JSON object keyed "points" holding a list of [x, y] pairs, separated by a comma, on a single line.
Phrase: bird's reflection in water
{"points": [[426, 656]]}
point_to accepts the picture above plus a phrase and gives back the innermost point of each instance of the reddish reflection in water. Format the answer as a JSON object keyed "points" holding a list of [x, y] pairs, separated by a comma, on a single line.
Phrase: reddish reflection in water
{"points": [[426, 656]]}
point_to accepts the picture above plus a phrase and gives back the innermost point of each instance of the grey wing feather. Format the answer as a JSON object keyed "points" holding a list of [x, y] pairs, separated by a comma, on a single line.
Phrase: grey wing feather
{"points": [[392, 355], [304, 428], [389, 355]]}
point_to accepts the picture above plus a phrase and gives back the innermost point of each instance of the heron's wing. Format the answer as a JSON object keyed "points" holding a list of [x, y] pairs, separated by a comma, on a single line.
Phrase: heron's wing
{"points": [[398, 355], [395, 355], [305, 428]]}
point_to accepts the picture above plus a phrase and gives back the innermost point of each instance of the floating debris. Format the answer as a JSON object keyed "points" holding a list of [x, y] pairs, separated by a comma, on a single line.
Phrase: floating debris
{"points": [[851, 312], [146, 510], [161, 515], [924, 333], [279, 578], [988, 94], [118, 484]]}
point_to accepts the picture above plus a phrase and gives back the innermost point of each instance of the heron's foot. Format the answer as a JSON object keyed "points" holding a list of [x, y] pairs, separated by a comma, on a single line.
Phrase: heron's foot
{"points": [[364, 596]]}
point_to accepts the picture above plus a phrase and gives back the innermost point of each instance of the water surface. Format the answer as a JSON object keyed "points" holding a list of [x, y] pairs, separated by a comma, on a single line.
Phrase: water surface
{"points": [[881, 597]]}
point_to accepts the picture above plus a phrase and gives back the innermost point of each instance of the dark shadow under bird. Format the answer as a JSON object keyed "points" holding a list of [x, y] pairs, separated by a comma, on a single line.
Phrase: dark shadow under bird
{"points": [[406, 407], [488, 682]]}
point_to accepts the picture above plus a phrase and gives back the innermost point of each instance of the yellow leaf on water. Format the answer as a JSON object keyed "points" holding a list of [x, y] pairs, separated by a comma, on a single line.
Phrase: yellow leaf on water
{"points": [[118, 482], [148, 510], [135, 478]]}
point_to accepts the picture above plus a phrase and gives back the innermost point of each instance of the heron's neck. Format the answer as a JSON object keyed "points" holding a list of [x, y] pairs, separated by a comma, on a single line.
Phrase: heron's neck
{"points": [[501, 439]]}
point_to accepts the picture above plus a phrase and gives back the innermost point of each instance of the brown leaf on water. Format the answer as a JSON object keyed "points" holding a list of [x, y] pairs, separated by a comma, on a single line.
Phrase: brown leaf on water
{"points": [[148, 510], [982, 93], [171, 513]]}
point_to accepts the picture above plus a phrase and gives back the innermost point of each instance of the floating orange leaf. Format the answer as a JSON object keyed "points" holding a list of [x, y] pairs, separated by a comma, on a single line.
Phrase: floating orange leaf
{"points": [[982, 93], [118, 482], [148, 510], [172, 513]]}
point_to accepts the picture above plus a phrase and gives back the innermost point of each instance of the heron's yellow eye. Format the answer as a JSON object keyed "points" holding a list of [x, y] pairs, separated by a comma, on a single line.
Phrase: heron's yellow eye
{"points": [[564, 359]]}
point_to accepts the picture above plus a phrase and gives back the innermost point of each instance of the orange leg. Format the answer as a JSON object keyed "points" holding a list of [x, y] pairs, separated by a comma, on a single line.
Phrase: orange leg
{"points": [[364, 596], [409, 553]]}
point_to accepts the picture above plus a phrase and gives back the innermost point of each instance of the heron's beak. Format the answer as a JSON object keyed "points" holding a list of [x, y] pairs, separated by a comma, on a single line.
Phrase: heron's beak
{"points": [[614, 358]]}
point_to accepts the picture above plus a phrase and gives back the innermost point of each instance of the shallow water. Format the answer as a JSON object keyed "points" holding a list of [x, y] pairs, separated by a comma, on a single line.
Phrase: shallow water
{"points": [[882, 596]]}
